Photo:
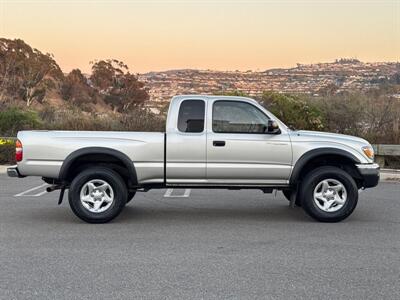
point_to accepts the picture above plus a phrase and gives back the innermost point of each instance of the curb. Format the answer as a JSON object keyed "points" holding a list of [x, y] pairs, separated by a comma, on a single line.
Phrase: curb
{"points": [[390, 175], [386, 174], [3, 169]]}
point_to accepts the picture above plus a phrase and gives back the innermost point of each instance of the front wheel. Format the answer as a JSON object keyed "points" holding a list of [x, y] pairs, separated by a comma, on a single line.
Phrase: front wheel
{"points": [[97, 195], [329, 194]]}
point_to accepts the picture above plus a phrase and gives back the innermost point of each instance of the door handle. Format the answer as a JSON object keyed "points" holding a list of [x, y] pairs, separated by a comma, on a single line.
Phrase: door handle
{"points": [[218, 143]]}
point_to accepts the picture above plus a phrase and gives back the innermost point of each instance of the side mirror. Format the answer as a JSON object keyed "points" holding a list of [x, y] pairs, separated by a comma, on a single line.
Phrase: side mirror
{"points": [[273, 127]]}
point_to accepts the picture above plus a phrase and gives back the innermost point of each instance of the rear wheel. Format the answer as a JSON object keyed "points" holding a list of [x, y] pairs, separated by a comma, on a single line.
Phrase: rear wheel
{"points": [[329, 194], [97, 195]]}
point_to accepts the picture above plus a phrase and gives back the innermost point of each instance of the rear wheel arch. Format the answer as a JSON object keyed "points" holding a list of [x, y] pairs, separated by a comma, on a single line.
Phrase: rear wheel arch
{"points": [[98, 156], [324, 157]]}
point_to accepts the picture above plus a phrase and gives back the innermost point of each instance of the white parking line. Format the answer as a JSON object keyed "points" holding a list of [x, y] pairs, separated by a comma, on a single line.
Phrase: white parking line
{"points": [[25, 193], [40, 194], [168, 194]]}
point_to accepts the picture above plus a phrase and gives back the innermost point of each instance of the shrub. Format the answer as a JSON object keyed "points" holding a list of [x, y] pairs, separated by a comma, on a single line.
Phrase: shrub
{"points": [[7, 151], [13, 120], [138, 119], [142, 120], [374, 115], [294, 111]]}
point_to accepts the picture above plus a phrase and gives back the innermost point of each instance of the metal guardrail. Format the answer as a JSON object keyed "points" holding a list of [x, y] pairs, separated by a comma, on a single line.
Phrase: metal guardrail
{"points": [[387, 150], [387, 156]]}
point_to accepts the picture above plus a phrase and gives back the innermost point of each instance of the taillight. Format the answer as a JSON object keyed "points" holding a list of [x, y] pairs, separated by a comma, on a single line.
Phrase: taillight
{"points": [[18, 150]]}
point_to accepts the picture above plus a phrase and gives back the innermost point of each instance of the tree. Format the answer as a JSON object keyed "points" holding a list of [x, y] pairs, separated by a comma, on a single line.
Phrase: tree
{"points": [[26, 72], [77, 90], [292, 110], [7, 63], [121, 89]]}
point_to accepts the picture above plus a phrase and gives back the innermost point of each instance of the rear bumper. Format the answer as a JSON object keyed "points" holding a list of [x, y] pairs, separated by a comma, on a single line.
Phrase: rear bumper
{"points": [[13, 172], [369, 174]]}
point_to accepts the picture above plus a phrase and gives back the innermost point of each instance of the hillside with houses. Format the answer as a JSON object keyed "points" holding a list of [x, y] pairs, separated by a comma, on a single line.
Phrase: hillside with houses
{"points": [[311, 79]]}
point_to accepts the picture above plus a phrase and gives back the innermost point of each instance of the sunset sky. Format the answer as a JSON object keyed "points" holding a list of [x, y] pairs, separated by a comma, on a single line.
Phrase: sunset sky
{"points": [[223, 35]]}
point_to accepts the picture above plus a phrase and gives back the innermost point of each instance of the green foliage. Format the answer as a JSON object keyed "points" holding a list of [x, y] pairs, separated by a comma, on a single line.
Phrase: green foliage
{"points": [[374, 115], [13, 120], [7, 151], [33, 78], [122, 89], [77, 91], [7, 154], [26, 72], [105, 72], [294, 111], [139, 119]]}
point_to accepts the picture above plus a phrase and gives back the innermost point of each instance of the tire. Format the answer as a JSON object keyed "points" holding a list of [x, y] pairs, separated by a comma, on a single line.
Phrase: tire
{"points": [[288, 193], [109, 189], [130, 196], [338, 185]]}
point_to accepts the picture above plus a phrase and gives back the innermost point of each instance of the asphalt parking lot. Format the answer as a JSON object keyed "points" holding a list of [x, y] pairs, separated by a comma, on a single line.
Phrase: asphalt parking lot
{"points": [[206, 244]]}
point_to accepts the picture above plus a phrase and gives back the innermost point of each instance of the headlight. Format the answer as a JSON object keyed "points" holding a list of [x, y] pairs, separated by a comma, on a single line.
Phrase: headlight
{"points": [[368, 151]]}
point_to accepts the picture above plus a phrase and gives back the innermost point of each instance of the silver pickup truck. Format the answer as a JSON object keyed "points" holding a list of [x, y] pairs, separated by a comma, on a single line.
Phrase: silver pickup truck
{"points": [[210, 142]]}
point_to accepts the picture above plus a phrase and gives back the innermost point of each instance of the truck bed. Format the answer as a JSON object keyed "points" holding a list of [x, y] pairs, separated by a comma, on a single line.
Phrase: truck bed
{"points": [[45, 151]]}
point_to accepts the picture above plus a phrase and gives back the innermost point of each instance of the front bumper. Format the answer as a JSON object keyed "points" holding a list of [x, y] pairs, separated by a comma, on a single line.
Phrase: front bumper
{"points": [[13, 172], [369, 174]]}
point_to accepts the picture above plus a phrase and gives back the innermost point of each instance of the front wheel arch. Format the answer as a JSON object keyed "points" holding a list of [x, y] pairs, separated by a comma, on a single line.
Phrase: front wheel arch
{"points": [[323, 157]]}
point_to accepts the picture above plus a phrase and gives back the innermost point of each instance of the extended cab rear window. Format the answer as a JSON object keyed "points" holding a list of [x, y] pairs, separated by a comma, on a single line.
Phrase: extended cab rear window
{"points": [[191, 116]]}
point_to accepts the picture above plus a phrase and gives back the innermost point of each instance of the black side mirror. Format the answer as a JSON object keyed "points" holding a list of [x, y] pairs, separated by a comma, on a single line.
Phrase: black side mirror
{"points": [[273, 127]]}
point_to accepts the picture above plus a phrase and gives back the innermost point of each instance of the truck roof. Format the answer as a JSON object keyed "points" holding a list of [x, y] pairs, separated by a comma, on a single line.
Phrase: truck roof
{"points": [[212, 97]]}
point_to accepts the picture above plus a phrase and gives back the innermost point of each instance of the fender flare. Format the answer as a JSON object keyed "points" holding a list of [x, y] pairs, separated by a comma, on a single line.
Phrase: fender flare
{"points": [[306, 157], [71, 158]]}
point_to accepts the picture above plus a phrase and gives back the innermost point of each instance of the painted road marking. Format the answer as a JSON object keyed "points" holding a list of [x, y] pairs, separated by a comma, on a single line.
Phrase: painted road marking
{"points": [[40, 194], [168, 194], [26, 193]]}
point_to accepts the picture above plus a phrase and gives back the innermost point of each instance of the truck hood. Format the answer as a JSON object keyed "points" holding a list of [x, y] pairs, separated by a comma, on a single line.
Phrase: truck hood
{"points": [[306, 135]]}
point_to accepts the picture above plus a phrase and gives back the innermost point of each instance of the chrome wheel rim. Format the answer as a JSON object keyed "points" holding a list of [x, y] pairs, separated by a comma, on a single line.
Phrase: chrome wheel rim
{"points": [[330, 195], [97, 195]]}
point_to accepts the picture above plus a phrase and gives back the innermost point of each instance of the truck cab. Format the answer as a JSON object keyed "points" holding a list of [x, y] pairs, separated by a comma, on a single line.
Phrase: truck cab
{"points": [[225, 141]]}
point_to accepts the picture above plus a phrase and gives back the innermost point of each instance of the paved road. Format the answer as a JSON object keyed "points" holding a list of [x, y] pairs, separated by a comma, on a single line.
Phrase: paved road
{"points": [[212, 244]]}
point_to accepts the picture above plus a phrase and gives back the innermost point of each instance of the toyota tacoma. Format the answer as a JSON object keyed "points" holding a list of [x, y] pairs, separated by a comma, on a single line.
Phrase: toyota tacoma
{"points": [[210, 142]]}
